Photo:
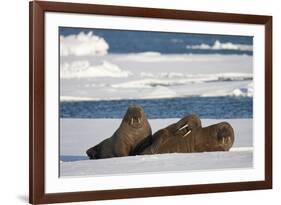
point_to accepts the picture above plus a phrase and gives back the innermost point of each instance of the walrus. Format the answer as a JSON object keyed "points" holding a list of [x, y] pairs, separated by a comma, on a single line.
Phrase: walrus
{"points": [[169, 139], [132, 130], [187, 135]]}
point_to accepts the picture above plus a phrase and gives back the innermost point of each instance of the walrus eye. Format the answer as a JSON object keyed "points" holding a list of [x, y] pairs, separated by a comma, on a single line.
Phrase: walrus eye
{"points": [[186, 125]]}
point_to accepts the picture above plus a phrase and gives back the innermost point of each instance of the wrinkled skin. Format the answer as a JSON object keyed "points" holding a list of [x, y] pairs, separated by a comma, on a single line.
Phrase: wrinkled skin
{"points": [[171, 138], [133, 129], [186, 136]]}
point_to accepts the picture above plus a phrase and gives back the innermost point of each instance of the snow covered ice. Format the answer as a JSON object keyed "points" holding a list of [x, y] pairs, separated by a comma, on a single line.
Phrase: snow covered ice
{"points": [[117, 76], [77, 135]]}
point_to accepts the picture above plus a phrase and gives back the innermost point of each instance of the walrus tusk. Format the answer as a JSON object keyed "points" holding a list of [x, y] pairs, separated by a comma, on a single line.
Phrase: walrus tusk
{"points": [[132, 121], [187, 133], [186, 125], [223, 140], [139, 120]]}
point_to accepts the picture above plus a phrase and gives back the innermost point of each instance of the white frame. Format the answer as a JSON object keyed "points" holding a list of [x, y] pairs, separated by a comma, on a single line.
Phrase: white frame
{"points": [[54, 184]]}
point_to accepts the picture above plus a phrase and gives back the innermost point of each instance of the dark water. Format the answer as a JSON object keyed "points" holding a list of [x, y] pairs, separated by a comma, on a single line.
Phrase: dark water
{"points": [[167, 43], [205, 107], [72, 158]]}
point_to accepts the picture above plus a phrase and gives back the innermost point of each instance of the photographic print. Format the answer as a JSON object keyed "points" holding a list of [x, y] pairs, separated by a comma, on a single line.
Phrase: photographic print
{"points": [[136, 102]]}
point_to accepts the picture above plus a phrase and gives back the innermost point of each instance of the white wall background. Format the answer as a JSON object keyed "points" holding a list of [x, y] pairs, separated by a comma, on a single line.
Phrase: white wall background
{"points": [[14, 100]]}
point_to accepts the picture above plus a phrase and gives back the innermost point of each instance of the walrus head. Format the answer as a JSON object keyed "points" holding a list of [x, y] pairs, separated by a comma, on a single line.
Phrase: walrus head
{"points": [[225, 135], [217, 137], [187, 124], [135, 116]]}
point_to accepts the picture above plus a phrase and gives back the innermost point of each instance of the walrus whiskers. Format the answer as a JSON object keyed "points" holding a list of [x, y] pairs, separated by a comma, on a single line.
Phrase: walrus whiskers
{"points": [[186, 125], [187, 133]]}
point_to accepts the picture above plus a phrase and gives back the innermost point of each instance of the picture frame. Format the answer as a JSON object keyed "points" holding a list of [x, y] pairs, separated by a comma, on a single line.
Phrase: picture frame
{"points": [[39, 96]]}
